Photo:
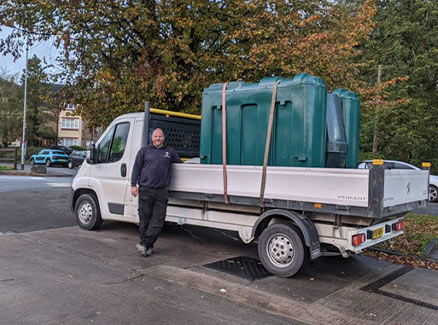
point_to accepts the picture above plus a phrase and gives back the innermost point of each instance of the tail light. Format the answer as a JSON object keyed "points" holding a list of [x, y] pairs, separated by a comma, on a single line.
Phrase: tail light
{"points": [[398, 226], [359, 239]]}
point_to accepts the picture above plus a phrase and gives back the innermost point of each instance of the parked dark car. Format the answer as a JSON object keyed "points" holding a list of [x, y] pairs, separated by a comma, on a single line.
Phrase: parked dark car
{"points": [[76, 158], [66, 149], [49, 157]]}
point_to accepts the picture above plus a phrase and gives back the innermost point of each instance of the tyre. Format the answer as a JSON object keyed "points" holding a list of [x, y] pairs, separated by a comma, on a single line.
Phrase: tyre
{"points": [[32, 162], [70, 165], [87, 212], [433, 193], [48, 163], [281, 249]]}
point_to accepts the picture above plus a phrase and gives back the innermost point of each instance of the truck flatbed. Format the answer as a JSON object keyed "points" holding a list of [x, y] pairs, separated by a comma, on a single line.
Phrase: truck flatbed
{"points": [[374, 193]]}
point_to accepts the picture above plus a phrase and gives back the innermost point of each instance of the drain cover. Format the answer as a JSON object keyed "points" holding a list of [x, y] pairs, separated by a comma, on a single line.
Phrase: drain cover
{"points": [[242, 266]]}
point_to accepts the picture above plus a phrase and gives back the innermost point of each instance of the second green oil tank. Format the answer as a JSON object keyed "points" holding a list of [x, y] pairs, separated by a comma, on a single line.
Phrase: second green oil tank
{"points": [[351, 113]]}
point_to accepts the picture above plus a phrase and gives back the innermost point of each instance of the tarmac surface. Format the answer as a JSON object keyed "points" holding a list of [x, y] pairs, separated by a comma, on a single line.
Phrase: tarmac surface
{"points": [[70, 275], [51, 271]]}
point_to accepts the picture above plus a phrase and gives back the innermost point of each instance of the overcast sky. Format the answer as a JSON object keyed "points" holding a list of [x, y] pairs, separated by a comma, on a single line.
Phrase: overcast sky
{"points": [[42, 50]]}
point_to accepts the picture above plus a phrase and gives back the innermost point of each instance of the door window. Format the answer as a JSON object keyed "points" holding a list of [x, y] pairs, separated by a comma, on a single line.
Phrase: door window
{"points": [[105, 145], [112, 147], [119, 142]]}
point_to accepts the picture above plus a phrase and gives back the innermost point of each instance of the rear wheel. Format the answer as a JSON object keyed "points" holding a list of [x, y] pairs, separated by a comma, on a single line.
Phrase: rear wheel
{"points": [[281, 249], [87, 212], [48, 163], [433, 193]]}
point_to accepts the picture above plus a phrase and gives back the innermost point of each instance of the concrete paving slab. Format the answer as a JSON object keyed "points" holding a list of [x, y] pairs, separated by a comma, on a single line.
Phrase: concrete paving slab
{"points": [[378, 308], [408, 286], [268, 302]]}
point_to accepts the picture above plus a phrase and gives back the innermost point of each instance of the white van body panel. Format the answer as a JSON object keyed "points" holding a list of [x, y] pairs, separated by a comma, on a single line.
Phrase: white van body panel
{"points": [[405, 185], [322, 185]]}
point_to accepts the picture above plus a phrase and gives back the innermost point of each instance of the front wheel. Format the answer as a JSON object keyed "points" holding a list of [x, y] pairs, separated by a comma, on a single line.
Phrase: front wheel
{"points": [[48, 163], [32, 162], [281, 249], [70, 165], [87, 212], [433, 193]]}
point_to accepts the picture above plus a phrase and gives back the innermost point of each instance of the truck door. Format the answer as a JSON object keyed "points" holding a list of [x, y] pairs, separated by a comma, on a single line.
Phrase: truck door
{"points": [[109, 174]]}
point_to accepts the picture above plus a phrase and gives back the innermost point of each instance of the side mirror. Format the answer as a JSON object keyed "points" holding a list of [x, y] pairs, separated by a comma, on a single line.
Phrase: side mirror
{"points": [[91, 157]]}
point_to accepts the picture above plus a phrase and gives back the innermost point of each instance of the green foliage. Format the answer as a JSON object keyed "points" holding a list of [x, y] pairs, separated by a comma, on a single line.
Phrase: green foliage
{"points": [[39, 110], [11, 110], [32, 151], [405, 42], [118, 54]]}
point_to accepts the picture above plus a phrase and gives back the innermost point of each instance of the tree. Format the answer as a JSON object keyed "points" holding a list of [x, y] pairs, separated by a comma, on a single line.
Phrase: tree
{"points": [[117, 54], [40, 111], [404, 43], [11, 109]]}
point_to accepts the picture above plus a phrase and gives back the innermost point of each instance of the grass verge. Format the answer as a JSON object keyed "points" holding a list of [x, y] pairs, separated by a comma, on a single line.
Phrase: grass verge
{"points": [[6, 168]]}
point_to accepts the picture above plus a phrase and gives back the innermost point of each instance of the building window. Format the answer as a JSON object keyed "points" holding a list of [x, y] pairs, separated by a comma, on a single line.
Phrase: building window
{"points": [[69, 142], [70, 123], [70, 106]]}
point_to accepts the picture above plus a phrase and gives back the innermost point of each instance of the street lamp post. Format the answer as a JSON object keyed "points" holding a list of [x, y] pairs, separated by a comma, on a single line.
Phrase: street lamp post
{"points": [[23, 140]]}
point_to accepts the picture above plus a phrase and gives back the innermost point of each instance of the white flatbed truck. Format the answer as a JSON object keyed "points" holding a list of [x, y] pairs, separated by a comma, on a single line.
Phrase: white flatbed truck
{"points": [[306, 212]]}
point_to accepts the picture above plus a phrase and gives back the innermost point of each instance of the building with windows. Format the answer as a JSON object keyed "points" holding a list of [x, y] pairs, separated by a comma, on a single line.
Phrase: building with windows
{"points": [[72, 129]]}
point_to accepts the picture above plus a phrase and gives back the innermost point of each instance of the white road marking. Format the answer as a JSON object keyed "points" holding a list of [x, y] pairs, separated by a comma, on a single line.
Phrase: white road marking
{"points": [[34, 177]]}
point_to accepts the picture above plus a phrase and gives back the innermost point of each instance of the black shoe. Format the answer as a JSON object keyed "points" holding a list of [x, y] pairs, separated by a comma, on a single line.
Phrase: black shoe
{"points": [[148, 252]]}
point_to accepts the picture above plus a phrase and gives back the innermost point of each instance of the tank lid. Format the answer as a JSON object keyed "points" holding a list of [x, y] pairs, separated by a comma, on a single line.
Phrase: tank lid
{"points": [[269, 81], [231, 85], [305, 78], [345, 94]]}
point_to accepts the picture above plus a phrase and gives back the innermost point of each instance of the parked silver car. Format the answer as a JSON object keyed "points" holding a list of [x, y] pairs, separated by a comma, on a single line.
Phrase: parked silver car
{"points": [[394, 164]]}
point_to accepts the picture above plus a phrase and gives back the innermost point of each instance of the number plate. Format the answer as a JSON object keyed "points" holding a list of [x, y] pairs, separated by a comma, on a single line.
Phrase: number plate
{"points": [[377, 233]]}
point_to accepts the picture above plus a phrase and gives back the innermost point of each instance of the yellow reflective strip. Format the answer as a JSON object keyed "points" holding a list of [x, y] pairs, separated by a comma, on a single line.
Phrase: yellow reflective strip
{"points": [[178, 114], [377, 161], [425, 164]]}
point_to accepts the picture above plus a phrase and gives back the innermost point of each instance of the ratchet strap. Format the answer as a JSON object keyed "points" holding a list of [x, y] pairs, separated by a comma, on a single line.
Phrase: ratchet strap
{"points": [[268, 143], [224, 141]]}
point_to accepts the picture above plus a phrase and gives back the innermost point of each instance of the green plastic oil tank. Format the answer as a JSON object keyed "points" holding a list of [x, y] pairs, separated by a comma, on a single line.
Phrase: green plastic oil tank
{"points": [[351, 113], [336, 139], [299, 129]]}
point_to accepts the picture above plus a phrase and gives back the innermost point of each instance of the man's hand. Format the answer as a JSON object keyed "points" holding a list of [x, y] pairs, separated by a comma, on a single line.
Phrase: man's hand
{"points": [[134, 191]]}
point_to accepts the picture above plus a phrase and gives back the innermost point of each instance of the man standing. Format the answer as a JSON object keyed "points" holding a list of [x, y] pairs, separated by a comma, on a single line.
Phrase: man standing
{"points": [[152, 173]]}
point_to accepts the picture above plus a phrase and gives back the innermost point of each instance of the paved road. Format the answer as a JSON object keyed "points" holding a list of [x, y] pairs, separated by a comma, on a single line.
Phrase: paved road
{"points": [[62, 273], [34, 203]]}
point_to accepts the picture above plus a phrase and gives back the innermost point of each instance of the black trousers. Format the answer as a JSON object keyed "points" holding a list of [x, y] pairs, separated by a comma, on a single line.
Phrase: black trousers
{"points": [[152, 206]]}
